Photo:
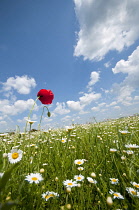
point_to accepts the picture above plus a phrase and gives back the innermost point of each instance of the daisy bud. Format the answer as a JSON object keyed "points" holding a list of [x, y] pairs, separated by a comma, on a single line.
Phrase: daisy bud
{"points": [[68, 190], [93, 174], [8, 198], [109, 201], [4, 155], [42, 170], [68, 206], [56, 179], [123, 158], [124, 174]]}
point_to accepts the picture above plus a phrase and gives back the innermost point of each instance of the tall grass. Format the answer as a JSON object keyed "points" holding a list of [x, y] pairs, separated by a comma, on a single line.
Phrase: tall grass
{"points": [[44, 152]]}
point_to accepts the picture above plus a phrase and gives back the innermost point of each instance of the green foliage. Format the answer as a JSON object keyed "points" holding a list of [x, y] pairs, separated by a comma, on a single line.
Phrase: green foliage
{"points": [[45, 153]]}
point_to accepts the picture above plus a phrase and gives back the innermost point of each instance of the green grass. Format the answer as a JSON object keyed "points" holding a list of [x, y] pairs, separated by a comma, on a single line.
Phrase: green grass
{"points": [[91, 142]]}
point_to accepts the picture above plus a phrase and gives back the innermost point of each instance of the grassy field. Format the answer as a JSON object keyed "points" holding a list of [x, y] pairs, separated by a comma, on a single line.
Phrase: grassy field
{"points": [[92, 166]]}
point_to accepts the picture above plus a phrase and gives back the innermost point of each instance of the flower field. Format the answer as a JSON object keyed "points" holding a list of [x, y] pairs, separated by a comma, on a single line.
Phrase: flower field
{"points": [[82, 167]]}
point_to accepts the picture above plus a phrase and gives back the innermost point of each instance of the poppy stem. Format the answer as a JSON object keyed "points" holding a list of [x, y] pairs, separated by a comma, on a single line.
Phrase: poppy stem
{"points": [[48, 113], [31, 112]]}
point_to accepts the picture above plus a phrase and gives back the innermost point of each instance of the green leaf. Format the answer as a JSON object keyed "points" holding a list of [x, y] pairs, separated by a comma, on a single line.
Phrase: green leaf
{"points": [[6, 176]]}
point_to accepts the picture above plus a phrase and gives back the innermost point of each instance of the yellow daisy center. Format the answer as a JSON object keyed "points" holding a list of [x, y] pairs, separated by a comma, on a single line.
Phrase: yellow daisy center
{"points": [[34, 178], [136, 185], [63, 140], [15, 155], [133, 192], [49, 196], [115, 194], [70, 184], [114, 180], [79, 162], [79, 178]]}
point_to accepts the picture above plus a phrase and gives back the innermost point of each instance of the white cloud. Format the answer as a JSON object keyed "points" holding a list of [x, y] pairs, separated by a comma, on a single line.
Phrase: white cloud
{"points": [[95, 108], [87, 98], [105, 26], [19, 106], [94, 78], [131, 81], [21, 84], [74, 105], [61, 108]]}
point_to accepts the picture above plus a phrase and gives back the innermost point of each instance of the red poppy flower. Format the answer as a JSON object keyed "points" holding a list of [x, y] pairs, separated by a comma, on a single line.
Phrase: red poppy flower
{"points": [[45, 96]]}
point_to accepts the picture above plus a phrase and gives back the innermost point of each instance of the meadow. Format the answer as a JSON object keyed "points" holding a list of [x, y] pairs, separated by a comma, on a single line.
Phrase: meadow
{"points": [[81, 167]]}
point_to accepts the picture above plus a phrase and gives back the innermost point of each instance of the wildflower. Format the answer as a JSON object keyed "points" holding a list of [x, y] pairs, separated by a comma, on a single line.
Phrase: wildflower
{"points": [[135, 184], [63, 140], [70, 183], [93, 181], [45, 96], [79, 177], [129, 152], [69, 128], [132, 146], [47, 195], [114, 181], [34, 177], [132, 191], [79, 161], [113, 150], [124, 132], [116, 194], [80, 168], [31, 121], [15, 155]]}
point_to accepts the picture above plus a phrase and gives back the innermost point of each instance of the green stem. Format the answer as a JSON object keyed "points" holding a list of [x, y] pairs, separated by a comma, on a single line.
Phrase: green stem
{"points": [[31, 112], [42, 115]]}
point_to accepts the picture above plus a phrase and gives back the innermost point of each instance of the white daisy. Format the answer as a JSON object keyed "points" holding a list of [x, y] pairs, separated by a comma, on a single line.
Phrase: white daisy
{"points": [[63, 140], [132, 191], [79, 177], [135, 184], [31, 121], [116, 194], [124, 132], [79, 161], [15, 155], [34, 177], [132, 146], [114, 181], [93, 181], [80, 168], [129, 152], [113, 150], [70, 183], [47, 195]]}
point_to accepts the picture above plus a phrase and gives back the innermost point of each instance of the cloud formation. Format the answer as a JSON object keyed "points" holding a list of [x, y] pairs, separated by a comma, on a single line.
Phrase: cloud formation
{"points": [[105, 26], [19, 106], [21, 84], [130, 67]]}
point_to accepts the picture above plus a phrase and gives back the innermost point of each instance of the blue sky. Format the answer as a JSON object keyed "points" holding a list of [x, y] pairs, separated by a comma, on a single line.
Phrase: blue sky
{"points": [[85, 51]]}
